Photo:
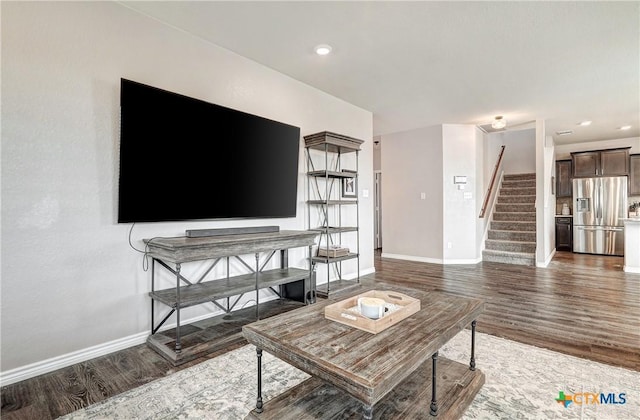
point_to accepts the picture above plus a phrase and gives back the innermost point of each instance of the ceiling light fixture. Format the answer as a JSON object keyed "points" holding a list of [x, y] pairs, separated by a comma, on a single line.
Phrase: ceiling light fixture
{"points": [[499, 123], [323, 49], [625, 127], [585, 123]]}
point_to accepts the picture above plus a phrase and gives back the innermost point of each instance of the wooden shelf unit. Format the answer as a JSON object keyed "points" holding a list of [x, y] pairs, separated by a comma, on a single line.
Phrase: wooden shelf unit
{"points": [[325, 177], [166, 252]]}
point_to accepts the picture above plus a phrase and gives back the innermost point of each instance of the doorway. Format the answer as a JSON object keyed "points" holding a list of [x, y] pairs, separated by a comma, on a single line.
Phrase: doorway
{"points": [[377, 218]]}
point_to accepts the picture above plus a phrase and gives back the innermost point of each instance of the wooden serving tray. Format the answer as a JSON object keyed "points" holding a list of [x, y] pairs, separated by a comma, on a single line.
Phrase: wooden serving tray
{"points": [[339, 312]]}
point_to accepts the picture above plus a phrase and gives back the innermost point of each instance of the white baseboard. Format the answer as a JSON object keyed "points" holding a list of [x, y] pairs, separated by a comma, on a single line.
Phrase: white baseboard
{"points": [[59, 362], [547, 261], [49, 365], [362, 273], [432, 260], [463, 261], [413, 258], [631, 269], [352, 276]]}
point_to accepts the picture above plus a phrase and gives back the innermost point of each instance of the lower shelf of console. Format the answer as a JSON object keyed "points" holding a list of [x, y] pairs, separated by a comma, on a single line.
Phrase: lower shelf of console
{"points": [[212, 334]]}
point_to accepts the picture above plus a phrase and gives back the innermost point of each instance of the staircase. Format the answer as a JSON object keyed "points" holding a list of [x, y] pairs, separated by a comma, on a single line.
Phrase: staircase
{"points": [[512, 234]]}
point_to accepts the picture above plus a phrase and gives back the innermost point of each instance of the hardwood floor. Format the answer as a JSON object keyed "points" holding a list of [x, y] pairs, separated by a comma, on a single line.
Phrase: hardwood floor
{"points": [[581, 305]]}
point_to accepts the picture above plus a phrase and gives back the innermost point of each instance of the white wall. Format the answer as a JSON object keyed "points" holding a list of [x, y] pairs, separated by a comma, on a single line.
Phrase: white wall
{"points": [[482, 184], [519, 153], [545, 201], [70, 281], [460, 148], [425, 161], [412, 164]]}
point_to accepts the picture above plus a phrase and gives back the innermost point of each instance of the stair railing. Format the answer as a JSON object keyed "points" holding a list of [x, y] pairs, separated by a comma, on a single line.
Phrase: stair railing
{"points": [[490, 195]]}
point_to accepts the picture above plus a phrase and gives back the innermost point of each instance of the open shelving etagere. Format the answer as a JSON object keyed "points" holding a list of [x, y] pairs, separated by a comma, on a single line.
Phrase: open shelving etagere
{"points": [[332, 205]]}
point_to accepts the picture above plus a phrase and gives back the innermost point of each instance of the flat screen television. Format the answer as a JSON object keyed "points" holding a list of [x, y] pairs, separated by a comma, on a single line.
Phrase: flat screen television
{"points": [[185, 159]]}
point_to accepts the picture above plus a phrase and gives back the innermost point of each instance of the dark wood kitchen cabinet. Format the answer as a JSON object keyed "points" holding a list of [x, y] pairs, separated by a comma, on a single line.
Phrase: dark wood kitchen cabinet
{"points": [[611, 162], [634, 175], [564, 234], [563, 178]]}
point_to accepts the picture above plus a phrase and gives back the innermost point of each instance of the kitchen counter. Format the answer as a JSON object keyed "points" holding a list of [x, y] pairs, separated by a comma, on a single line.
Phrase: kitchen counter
{"points": [[632, 244]]}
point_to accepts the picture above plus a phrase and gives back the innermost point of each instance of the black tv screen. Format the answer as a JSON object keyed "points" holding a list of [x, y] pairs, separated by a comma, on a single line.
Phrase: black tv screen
{"points": [[183, 159]]}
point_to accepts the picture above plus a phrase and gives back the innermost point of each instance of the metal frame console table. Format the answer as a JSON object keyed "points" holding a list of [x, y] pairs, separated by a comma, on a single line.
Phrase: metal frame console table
{"points": [[166, 252]]}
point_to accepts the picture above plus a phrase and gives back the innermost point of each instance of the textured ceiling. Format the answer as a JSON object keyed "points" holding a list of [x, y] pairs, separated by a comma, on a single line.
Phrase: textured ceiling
{"points": [[416, 64]]}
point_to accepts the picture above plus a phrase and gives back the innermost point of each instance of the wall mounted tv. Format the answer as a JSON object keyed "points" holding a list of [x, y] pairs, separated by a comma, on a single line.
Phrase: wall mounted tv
{"points": [[183, 159]]}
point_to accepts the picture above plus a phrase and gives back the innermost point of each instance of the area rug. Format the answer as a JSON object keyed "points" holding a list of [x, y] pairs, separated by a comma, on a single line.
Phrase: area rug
{"points": [[522, 382]]}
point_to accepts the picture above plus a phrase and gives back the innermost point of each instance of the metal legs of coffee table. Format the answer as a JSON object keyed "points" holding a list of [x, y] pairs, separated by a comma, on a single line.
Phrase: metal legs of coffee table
{"points": [[472, 363], [434, 403], [259, 401], [434, 359], [368, 409], [367, 412]]}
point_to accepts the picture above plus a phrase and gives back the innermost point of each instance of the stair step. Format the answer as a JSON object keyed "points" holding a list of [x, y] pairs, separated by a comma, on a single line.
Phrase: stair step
{"points": [[512, 235], [511, 246], [515, 208], [512, 225], [519, 199], [517, 191], [514, 217], [516, 177], [519, 184], [505, 257]]}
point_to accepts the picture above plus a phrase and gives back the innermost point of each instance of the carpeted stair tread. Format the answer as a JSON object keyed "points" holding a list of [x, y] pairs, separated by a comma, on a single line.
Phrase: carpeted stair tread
{"points": [[517, 191], [511, 177], [515, 208], [509, 257], [514, 217], [516, 199], [513, 225], [518, 184], [510, 246], [512, 230]]}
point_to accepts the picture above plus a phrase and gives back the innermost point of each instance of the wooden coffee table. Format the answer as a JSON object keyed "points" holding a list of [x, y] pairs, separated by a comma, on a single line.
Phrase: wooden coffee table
{"points": [[355, 374]]}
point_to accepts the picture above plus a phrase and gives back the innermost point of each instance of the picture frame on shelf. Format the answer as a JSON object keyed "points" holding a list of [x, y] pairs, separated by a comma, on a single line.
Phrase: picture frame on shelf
{"points": [[349, 186]]}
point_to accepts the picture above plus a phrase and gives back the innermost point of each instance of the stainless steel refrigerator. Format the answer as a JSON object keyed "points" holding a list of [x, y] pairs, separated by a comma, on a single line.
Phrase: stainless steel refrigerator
{"points": [[599, 205]]}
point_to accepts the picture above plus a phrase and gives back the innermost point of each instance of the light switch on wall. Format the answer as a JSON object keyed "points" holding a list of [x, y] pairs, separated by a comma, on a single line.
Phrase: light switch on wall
{"points": [[423, 196], [365, 194]]}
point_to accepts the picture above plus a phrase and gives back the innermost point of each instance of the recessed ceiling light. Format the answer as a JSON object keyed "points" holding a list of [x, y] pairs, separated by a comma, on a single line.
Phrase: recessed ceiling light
{"points": [[585, 123], [564, 132], [323, 49], [625, 127]]}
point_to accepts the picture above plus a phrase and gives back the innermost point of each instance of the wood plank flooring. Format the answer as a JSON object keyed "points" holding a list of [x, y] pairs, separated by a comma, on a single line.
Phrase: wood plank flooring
{"points": [[581, 305]]}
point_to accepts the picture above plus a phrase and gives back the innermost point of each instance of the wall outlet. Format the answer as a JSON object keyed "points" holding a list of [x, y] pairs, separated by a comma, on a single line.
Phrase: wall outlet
{"points": [[449, 245]]}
